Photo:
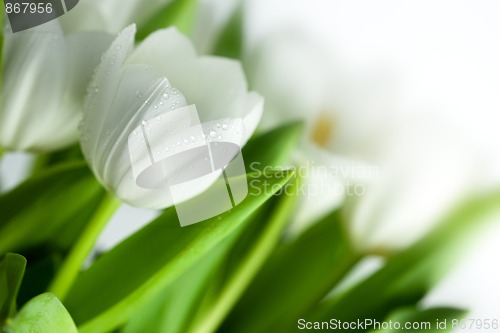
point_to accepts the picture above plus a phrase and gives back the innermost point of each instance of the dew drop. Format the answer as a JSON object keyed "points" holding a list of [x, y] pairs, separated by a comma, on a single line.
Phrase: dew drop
{"points": [[224, 127], [218, 125], [193, 138], [186, 141], [144, 123], [213, 134], [219, 137]]}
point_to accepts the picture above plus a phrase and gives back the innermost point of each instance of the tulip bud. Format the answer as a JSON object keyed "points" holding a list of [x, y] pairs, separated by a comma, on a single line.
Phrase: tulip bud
{"points": [[156, 112]]}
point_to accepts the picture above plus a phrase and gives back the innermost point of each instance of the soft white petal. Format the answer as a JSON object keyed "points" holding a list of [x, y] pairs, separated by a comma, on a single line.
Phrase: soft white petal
{"points": [[216, 85], [167, 50], [102, 91], [292, 76], [34, 63]]}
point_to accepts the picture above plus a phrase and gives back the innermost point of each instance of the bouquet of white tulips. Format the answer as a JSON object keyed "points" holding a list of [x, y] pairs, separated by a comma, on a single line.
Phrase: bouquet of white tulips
{"points": [[260, 220]]}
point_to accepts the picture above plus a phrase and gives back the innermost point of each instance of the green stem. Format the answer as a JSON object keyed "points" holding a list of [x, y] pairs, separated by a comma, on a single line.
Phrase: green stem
{"points": [[71, 266], [248, 269]]}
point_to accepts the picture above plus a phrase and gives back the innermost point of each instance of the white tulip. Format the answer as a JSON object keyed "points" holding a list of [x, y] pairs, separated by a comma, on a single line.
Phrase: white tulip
{"points": [[45, 75], [417, 168], [161, 76]]}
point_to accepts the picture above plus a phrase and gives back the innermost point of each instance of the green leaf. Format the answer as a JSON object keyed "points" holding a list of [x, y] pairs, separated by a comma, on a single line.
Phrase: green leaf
{"points": [[432, 320], [258, 246], [299, 274], [51, 159], [127, 277], [272, 149], [53, 205], [43, 314], [11, 274], [173, 309], [43, 265], [230, 41], [179, 13], [410, 274]]}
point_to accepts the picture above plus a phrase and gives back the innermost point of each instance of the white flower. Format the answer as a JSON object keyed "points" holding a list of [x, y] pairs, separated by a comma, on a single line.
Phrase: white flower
{"points": [[417, 168], [162, 74], [45, 74]]}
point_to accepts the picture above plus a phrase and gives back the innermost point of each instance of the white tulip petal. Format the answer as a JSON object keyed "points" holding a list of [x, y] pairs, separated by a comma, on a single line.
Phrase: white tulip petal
{"points": [[45, 76], [34, 63], [216, 85], [167, 50]]}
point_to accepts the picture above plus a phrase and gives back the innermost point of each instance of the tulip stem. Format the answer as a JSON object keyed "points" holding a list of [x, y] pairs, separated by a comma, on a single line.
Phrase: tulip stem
{"points": [[71, 266], [248, 268]]}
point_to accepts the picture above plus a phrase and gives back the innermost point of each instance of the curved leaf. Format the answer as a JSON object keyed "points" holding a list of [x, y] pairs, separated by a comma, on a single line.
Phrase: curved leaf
{"points": [[11, 274], [57, 201], [155, 257], [43, 314]]}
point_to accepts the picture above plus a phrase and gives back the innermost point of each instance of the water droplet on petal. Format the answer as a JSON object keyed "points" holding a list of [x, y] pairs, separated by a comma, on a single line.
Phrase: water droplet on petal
{"points": [[213, 134], [224, 127], [144, 123]]}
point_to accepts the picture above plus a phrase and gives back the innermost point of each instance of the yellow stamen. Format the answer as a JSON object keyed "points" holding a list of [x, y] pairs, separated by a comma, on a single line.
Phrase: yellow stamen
{"points": [[323, 130]]}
